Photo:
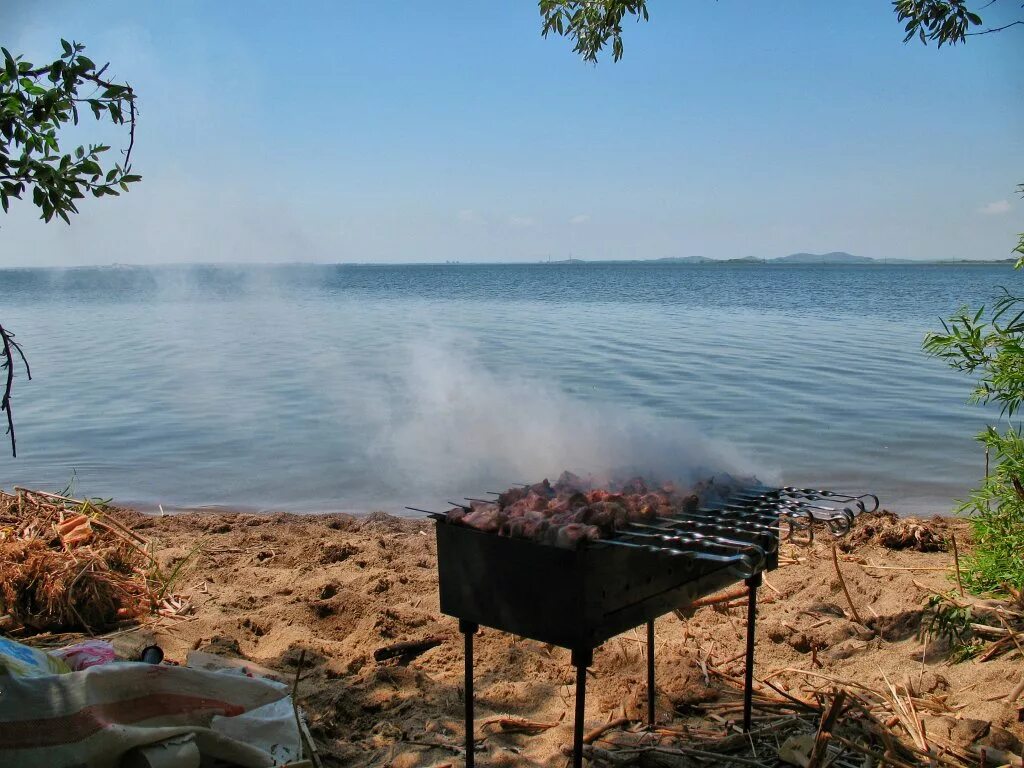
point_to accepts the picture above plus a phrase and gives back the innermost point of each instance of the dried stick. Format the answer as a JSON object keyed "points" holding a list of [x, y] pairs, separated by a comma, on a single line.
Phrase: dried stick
{"points": [[842, 583], [1016, 692], [600, 731], [905, 567], [295, 700], [408, 649], [956, 560], [313, 752], [509, 724], [828, 721], [726, 597]]}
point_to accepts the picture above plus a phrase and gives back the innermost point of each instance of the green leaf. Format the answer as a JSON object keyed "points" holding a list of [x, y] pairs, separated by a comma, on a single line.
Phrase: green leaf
{"points": [[10, 65]]}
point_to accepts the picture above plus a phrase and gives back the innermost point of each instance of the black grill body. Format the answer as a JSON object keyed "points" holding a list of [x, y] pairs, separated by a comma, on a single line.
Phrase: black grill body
{"points": [[576, 599]]}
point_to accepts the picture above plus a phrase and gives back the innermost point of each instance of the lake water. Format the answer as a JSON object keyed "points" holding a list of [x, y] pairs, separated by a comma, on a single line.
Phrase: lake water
{"points": [[315, 388]]}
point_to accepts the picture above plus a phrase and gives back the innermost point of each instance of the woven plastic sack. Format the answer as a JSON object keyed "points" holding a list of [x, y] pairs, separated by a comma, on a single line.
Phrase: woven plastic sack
{"points": [[93, 718]]}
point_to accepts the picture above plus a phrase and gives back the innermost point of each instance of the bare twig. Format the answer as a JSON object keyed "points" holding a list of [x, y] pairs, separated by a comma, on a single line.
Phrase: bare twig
{"points": [[995, 29]]}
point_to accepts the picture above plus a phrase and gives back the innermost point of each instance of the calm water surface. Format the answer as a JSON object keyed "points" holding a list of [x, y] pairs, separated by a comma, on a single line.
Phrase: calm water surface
{"points": [[313, 388]]}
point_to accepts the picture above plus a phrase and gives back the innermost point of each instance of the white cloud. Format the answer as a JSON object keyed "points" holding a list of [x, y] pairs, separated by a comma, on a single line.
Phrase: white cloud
{"points": [[522, 222], [995, 208], [580, 218], [468, 216]]}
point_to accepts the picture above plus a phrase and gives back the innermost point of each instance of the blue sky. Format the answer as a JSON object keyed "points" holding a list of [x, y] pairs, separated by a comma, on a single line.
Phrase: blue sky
{"points": [[426, 131]]}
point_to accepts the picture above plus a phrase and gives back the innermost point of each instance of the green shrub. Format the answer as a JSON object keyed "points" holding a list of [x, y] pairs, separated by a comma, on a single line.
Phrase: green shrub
{"points": [[991, 349]]}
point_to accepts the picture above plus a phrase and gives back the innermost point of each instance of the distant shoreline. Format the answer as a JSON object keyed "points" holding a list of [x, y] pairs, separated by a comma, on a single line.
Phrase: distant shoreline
{"points": [[669, 262], [768, 263]]}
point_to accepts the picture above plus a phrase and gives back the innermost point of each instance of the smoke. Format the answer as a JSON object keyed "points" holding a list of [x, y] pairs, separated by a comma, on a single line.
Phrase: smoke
{"points": [[465, 428]]}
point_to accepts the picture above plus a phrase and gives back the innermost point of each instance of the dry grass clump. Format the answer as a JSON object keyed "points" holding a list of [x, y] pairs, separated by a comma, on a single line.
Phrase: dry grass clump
{"points": [[66, 564], [893, 532]]}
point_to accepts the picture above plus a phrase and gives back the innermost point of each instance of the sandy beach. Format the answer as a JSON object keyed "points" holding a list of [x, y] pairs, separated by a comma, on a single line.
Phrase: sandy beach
{"points": [[333, 589]]}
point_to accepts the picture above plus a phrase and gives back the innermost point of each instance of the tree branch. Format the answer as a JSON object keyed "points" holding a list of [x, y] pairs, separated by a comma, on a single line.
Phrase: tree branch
{"points": [[996, 29], [9, 347]]}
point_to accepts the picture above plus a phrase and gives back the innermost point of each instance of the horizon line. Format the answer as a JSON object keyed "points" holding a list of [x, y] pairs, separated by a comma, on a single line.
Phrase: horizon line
{"points": [[685, 261]]}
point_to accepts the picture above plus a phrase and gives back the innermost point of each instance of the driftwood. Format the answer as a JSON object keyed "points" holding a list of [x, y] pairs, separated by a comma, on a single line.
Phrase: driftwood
{"points": [[407, 650]]}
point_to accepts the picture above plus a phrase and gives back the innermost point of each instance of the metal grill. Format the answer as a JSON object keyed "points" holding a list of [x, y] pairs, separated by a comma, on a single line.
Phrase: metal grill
{"points": [[579, 598]]}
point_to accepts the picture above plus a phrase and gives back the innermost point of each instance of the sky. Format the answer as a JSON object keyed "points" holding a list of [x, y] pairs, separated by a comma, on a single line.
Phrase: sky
{"points": [[415, 131]]}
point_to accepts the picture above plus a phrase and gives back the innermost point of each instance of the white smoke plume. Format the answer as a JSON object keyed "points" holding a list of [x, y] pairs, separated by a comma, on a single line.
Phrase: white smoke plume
{"points": [[465, 429]]}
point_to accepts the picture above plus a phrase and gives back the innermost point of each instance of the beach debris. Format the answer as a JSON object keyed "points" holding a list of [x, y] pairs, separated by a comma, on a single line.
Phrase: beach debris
{"points": [[88, 653], [69, 564], [892, 532]]}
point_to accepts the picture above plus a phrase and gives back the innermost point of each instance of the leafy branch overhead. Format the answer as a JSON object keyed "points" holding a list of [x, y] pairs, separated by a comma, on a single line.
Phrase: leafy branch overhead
{"points": [[593, 24], [590, 24], [35, 104]]}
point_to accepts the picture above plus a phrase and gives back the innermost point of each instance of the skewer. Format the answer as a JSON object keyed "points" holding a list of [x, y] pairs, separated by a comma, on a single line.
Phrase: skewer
{"points": [[761, 535], [812, 494], [732, 561], [435, 515]]}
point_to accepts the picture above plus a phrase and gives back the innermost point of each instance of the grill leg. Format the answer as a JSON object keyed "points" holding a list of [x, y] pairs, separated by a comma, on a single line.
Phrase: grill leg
{"points": [[469, 629], [748, 683], [581, 659], [650, 674]]}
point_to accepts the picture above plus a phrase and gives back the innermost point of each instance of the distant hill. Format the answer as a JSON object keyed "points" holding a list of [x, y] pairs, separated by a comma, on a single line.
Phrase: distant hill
{"points": [[835, 257], [684, 260]]}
